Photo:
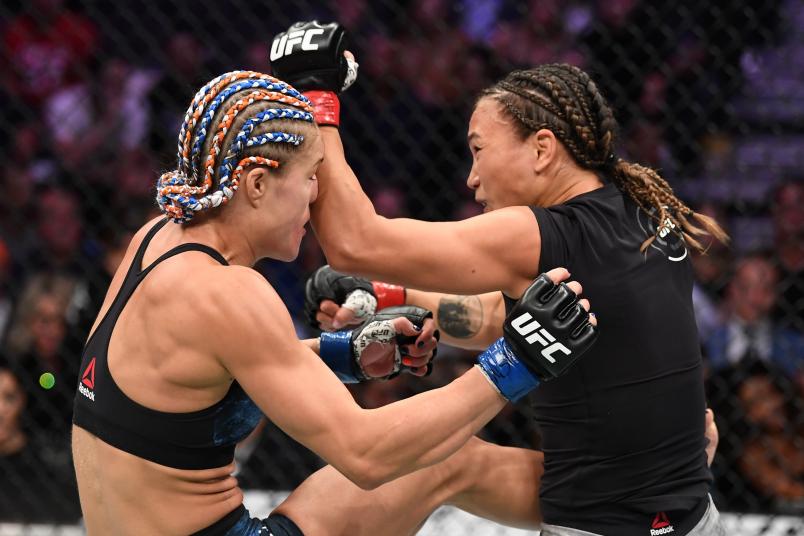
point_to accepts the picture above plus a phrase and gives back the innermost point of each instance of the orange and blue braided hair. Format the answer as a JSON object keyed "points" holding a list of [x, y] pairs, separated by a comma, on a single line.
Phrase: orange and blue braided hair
{"points": [[183, 192]]}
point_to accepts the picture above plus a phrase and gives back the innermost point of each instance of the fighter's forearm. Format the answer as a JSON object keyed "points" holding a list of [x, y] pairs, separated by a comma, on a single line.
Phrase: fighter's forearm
{"points": [[425, 429], [471, 322], [343, 212]]}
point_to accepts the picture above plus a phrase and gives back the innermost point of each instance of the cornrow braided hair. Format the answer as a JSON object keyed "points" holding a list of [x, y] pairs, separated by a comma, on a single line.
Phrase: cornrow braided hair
{"points": [[182, 192], [563, 99]]}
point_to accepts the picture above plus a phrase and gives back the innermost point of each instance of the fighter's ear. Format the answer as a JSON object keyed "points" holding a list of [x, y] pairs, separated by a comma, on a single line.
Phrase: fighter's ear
{"points": [[544, 147], [254, 184]]}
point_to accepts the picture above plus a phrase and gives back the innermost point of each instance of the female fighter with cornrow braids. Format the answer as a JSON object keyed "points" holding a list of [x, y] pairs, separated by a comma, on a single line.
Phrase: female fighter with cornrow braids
{"points": [[192, 346], [622, 432]]}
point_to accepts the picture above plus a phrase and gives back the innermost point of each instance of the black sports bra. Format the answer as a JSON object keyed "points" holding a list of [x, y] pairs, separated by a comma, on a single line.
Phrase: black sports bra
{"points": [[201, 439]]}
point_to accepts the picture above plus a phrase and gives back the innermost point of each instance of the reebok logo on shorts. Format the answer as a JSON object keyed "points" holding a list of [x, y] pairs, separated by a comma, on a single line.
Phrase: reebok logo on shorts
{"points": [[532, 333], [88, 381], [661, 525]]}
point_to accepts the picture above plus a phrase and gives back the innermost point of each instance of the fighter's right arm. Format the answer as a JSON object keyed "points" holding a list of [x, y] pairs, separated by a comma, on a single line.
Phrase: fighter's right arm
{"points": [[303, 397]]}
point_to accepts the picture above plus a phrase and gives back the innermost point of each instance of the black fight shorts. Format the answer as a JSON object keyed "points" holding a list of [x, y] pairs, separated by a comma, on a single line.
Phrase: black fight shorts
{"points": [[240, 523]]}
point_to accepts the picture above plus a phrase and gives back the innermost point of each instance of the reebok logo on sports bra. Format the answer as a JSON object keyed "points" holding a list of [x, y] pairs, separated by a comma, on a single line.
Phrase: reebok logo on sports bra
{"points": [[88, 381]]}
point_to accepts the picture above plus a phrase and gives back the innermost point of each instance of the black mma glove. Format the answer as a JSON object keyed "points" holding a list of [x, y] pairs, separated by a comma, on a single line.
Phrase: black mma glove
{"points": [[309, 56], [546, 331], [343, 351], [361, 296], [349, 291]]}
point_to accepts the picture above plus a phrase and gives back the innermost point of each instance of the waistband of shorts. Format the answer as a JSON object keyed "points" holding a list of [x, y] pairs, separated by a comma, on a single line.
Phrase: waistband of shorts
{"points": [[609, 520], [222, 526]]}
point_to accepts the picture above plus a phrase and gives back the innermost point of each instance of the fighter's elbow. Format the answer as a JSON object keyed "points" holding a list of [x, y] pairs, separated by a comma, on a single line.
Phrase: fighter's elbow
{"points": [[339, 259], [365, 474], [345, 256]]}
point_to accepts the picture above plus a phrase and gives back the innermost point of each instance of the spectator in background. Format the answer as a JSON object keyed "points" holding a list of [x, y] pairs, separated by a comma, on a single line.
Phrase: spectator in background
{"points": [[62, 245], [6, 302], [30, 150], [535, 35], [712, 271], [26, 165], [617, 55], [134, 185], [12, 402], [96, 119], [44, 49], [60, 230], [748, 333], [773, 453], [761, 465], [38, 485], [788, 223], [38, 343], [183, 73]]}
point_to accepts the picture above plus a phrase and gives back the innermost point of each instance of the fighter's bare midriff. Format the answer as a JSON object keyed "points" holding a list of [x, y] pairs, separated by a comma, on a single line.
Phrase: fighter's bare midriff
{"points": [[126, 495]]}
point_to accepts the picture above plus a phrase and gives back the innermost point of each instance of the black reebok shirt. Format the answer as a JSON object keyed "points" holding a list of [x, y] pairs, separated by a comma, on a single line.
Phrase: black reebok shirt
{"points": [[623, 430]]}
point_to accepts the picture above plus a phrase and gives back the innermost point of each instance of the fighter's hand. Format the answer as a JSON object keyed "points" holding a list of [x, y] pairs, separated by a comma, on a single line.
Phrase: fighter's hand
{"points": [[559, 275], [333, 300], [549, 328], [312, 57], [545, 332], [712, 437], [332, 317], [409, 344], [402, 338]]}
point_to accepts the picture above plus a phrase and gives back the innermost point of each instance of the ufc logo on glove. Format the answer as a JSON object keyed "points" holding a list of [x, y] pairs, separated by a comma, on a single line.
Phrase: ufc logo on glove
{"points": [[285, 43], [529, 331]]}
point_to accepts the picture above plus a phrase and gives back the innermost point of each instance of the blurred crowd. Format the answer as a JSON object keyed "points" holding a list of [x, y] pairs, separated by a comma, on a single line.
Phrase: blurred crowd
{"points": [[92, 94]]}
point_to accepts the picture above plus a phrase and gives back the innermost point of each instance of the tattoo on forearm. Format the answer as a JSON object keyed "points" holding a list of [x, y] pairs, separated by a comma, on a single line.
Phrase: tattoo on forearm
{"points": [[460, 316]]}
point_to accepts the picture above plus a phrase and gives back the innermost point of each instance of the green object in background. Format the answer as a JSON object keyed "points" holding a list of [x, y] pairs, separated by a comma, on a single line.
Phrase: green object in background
{"points": [[47, 380]]}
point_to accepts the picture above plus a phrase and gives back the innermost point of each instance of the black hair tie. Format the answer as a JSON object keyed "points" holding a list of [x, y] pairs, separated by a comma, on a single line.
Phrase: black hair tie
{"points": [[608, 163]]}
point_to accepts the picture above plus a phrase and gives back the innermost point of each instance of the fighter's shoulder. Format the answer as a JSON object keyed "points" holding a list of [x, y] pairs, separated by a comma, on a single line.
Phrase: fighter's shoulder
{"points": [[239, 303], [232, 292]]}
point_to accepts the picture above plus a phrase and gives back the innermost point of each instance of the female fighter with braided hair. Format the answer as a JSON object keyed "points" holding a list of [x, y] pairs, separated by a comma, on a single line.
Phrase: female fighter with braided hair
{"points": [[622, 433], [191, 347]]}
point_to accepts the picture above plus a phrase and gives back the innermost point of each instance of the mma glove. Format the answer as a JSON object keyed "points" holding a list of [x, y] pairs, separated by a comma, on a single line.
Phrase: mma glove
{"points": [[343, 351], [309, 56], [545, 332], [360, 295]]}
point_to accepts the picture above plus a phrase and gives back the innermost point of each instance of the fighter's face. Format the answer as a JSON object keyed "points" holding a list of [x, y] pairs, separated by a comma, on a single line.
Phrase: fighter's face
{"points": [[502, 163], [294, 190]]}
